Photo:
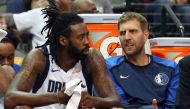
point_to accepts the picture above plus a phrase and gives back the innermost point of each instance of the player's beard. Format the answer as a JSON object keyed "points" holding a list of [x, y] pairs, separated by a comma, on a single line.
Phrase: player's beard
{"points": [[75, 53]]}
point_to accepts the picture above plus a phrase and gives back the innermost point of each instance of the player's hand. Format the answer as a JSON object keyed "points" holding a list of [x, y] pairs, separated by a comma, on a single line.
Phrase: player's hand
{"points": [[9, 72], [62, 98], [87, 101], [154, 103], [64, 95]]}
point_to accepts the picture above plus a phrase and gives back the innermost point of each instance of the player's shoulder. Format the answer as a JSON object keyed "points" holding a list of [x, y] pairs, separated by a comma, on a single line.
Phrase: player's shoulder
{"points": [[163, 61], [115, 60], [93, 52]]}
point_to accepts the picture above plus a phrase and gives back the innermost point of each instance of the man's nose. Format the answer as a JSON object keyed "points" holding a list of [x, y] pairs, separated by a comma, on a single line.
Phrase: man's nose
{"points": [[86, 41], [127, 35]]}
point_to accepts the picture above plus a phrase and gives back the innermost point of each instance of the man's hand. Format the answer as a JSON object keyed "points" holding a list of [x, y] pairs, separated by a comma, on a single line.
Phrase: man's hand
{"points": [[154, 103], [64, 95], [9, 72], [87, 101], [62, 98]]}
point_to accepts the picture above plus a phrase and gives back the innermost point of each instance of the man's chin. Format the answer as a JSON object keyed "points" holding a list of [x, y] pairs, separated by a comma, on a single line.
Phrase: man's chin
{"points": [[130, 53], [82, 56], [85, 51]]}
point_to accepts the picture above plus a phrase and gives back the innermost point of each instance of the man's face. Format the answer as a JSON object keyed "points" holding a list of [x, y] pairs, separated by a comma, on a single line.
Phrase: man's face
{"points": [[3, 24], [78, 42], [64, 5], [132, 37], [87, 6], [6, 54]]}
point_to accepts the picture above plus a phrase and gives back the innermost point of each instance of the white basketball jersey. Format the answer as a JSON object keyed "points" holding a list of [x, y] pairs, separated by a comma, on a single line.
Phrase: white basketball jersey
{"points": [[56, 79]]}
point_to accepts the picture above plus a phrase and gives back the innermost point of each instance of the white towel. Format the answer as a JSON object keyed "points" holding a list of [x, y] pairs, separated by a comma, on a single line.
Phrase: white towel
{"points": [[71, 85], [75, 98], [3, 33], [74, 88]]}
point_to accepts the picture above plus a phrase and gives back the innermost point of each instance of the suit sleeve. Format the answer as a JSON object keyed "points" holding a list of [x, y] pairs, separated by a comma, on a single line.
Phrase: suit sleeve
{"points": [[183, 93]]}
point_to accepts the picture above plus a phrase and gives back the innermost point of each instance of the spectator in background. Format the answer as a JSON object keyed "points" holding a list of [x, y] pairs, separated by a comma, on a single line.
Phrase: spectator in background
{"points": [[183, 93], [103, 6], [7, 74], [140, 78], [18, 6], [179, 2], [25, 21], [180, 8], [34, 27], [8, 69], [3, 24], [83, 6], [8, 46]]}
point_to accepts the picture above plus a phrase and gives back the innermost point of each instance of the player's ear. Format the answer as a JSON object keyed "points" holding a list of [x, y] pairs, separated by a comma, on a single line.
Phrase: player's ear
{"points": [[63, 40], [146, 34]]}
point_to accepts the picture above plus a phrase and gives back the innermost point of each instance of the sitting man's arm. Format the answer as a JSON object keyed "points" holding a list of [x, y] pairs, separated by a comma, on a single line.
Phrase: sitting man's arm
{"points": [[103, 85], [19, 91]]}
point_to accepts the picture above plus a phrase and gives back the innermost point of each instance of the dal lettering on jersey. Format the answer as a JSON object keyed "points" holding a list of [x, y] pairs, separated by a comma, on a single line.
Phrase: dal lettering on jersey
{"points": [[55, 86]]}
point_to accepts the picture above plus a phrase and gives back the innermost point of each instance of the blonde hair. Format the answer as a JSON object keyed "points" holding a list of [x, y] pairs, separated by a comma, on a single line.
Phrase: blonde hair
{"points": [[133, 15]]}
